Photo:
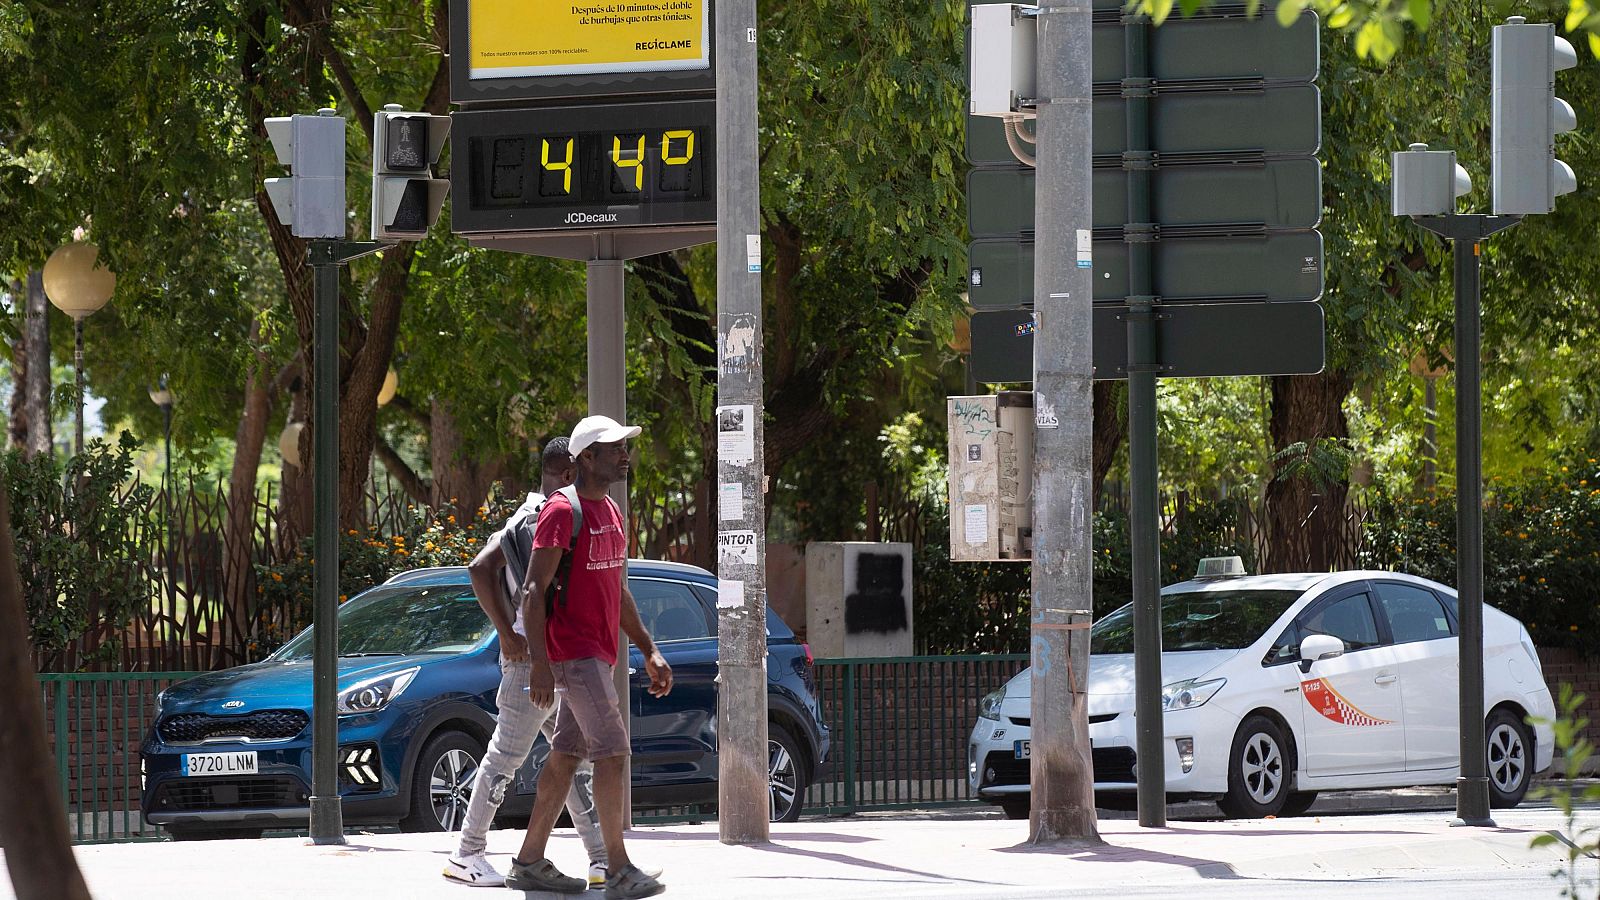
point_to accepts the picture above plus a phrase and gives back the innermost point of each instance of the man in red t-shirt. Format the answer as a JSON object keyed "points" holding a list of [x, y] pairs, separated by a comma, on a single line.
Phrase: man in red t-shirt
{"points": [[573, 651]]}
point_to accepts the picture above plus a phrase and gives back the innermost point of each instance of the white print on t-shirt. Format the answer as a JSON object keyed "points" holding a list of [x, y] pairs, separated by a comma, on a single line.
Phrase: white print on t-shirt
{"points": [[614, 561]]}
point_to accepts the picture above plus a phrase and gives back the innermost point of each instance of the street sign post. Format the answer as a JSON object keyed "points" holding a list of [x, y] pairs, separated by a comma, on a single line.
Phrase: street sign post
{"points": [[1204, 134]]}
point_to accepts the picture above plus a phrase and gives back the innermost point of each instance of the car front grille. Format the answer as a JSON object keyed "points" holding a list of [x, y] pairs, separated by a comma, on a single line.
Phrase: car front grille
{"points": [[1112, 765], [252, 792], [266, 725]]}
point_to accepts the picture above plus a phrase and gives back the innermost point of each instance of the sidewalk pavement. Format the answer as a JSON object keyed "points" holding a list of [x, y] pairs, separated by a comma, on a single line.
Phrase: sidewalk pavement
{"points": [[928, 856]]}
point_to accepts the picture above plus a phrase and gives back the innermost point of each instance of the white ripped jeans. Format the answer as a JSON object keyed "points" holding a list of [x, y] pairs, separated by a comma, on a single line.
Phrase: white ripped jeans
{"points": [[516, 727]]}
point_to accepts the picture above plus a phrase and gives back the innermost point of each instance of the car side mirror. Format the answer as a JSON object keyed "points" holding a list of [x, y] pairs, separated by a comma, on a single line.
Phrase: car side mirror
{"points": [[1319, 646]]}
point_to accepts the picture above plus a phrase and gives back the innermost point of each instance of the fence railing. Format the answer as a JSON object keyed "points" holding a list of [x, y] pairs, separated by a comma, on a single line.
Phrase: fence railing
{"points": [[900, 727], [95, 722]]}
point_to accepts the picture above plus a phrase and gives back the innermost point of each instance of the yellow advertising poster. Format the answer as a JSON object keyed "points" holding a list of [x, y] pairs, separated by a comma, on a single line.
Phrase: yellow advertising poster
{"points": [[520, 38]]}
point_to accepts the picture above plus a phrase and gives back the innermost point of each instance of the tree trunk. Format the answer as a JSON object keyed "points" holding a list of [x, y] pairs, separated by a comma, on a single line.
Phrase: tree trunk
{"points": [[33, 834], [1110, 424], [294, 503], [1306, 521], [30, 398], [238, 539], [459, 482]]}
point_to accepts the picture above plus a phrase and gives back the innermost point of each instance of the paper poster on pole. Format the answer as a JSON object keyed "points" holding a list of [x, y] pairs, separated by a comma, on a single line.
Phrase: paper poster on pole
{"points": [[736, 547], [736, 435], [730, 594], [730, 502]]}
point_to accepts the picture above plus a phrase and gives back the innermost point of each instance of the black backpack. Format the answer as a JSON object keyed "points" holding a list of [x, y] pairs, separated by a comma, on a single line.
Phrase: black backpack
{"points": [[516, 544]]}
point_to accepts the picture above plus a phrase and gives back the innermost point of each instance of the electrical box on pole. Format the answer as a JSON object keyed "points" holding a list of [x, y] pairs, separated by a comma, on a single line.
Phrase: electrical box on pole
{"points": [[1003, 59], [991, 476], [406, 198], [1527, 115], [311, 199]]}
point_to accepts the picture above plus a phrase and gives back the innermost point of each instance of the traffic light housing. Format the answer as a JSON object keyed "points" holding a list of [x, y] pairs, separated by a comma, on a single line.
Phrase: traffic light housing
{"points": [[1527, 117], [311, 200], [406, 198], [1427, 182]]}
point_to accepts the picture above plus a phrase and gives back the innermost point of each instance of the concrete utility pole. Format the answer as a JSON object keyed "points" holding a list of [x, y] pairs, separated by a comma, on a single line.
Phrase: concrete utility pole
{"points": [[1063, 496], [743, 788]]}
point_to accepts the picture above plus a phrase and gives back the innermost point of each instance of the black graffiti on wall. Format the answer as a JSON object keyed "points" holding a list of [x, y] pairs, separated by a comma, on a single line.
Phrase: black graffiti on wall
{"points": [[877, 600]]}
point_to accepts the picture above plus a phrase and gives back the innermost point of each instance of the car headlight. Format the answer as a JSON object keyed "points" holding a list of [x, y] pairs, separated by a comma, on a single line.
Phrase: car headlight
{"points": [[989, 706], [1189, 694], [375, 693]]}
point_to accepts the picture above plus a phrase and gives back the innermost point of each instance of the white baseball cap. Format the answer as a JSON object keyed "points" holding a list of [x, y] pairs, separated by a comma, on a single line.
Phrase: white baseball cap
{"points": [[599, 430]]}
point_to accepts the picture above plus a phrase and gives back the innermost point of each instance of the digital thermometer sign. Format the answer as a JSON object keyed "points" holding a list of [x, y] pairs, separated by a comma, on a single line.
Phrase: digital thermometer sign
{"points": [[581, 167]]}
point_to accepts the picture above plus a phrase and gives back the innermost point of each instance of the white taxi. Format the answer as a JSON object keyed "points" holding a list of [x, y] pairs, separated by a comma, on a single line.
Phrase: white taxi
{"points": [[1280, 686]]}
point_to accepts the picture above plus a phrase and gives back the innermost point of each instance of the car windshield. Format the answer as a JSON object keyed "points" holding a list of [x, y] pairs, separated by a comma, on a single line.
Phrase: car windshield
{"points": [[403, 620], [1199, 620]]}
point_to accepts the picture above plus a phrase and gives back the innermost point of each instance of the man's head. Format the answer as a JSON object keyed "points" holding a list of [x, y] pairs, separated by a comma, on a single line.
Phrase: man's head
{"points": [[599, 445], [556, 468]]}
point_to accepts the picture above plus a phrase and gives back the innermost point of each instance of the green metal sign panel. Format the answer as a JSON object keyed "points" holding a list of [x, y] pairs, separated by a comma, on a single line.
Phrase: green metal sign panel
{"points": [[1230, 198], [1276, 121], [1278, 267], [1194, 340]]}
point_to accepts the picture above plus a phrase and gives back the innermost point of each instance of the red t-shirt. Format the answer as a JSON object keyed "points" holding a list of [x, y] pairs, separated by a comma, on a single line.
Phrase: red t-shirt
{"points": [[587, 625]]}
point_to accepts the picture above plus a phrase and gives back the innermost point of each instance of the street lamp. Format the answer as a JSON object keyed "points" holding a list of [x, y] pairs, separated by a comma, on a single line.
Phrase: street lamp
{"points": [[161, 396], [78, 286]]}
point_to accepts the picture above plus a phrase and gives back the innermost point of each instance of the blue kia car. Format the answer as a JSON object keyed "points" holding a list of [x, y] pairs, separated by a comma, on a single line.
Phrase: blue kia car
{"points": [[229, 754]]}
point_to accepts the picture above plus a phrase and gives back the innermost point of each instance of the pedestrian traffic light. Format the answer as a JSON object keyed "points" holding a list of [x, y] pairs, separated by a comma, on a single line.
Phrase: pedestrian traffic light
{"points": [[1527, 117], [311, 200], [1427, 182], [406, 198]]}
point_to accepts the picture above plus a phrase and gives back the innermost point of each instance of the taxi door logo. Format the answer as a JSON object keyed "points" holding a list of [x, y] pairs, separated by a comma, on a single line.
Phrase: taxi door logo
{"points": [[1333, 706]]}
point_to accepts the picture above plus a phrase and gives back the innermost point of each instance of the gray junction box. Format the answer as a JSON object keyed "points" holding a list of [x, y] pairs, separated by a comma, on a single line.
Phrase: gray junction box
{"points": [[991, 476]]}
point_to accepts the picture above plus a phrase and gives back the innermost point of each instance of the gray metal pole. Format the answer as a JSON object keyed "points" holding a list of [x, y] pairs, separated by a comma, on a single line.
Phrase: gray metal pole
{"points": [[1472, 788], [327, 816], [1062, 776], [1144, 527], [77, 365], [743, 788], [608, 396]]}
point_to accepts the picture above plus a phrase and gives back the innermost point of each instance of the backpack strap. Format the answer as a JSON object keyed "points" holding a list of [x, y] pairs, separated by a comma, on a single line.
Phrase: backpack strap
{"points": [[557, 593]]}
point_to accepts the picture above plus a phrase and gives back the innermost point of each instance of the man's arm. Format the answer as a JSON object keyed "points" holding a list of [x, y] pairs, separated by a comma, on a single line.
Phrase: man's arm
{"points": [[489, 588], [654, 663], [541, 571]]}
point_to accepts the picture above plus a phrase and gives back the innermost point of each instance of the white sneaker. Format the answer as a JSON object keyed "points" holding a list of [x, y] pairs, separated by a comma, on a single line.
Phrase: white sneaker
{"points": [[597, 874], [474, 870]]}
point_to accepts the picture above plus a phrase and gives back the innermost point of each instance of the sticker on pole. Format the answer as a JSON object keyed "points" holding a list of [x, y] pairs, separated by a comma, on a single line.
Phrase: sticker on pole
{"points": [[736, 548], [752, 252], [730, 594], [1046, 416], [736, 435], [1085, 249]]}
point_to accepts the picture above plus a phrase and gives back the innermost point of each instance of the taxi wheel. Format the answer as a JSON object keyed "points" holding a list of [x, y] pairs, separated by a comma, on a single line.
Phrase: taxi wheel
{"points": [[1510, 750], [1258, 771]]}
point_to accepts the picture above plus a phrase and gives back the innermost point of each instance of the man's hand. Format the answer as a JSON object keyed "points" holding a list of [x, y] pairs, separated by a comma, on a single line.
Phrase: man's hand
{"points": [[513, 647], [660, 674], [541, 685]]}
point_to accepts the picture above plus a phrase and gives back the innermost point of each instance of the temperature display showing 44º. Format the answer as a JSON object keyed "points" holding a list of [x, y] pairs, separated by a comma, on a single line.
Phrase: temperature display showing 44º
{"points": [[586, 167]]}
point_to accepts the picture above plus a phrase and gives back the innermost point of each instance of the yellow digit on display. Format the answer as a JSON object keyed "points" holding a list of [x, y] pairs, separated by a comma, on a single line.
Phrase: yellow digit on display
{"points": [[666, 147], [636, 163], [564, 166]]}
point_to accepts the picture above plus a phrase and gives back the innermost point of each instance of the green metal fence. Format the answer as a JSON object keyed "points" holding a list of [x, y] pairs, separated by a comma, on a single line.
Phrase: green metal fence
{"points": [[95, 722], [900, 727]]}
